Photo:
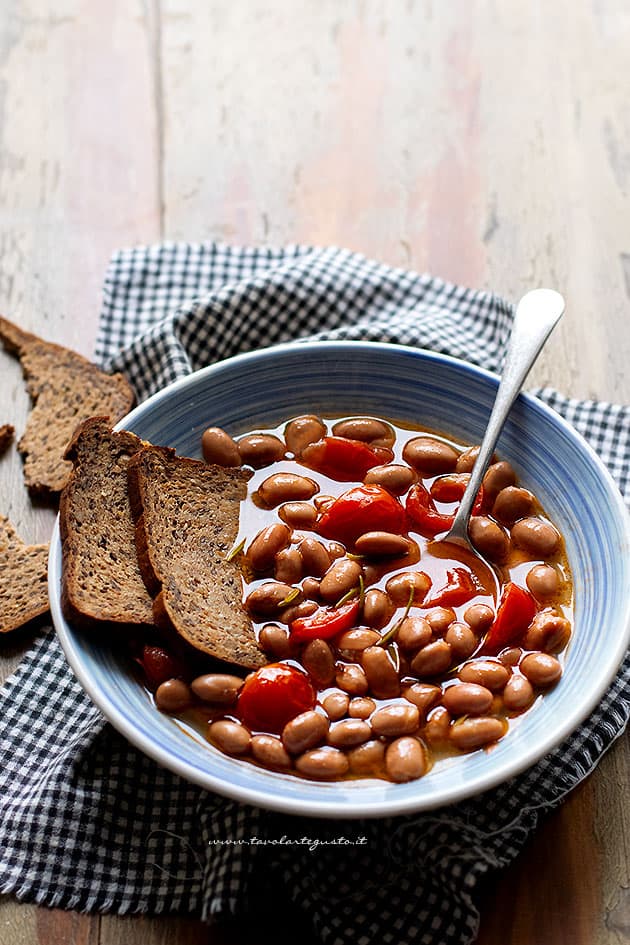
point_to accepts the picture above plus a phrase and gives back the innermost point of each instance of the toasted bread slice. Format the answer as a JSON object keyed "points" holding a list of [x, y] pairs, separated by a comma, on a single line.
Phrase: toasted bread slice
{"points": [[101, 580], [66, 389], [7, 432], [187, 516], [23, 579]]}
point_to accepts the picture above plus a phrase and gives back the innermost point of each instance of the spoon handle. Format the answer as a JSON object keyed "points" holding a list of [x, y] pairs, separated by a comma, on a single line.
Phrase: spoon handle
{"points": [[537, 314]]}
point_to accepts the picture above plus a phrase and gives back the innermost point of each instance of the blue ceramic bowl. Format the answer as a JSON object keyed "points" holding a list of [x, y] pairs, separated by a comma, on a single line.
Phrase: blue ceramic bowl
{"points": [[259, 390]]}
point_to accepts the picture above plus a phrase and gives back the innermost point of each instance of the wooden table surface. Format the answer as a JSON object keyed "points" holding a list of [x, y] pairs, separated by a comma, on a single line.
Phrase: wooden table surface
{"points": [[488, 143]]}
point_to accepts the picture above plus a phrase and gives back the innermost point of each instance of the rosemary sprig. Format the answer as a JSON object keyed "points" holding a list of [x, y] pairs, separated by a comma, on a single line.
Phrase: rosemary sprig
{"points": [[391, 633], [349, 596], [290, 597], [236, 550]]}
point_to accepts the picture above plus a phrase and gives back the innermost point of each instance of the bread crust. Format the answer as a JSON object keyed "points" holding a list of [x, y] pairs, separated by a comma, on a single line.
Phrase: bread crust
{"points": [[23, 580]]}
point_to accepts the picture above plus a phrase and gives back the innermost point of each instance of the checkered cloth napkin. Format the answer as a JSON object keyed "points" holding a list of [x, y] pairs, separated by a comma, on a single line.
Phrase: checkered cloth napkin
{"points": [[89, 823]]}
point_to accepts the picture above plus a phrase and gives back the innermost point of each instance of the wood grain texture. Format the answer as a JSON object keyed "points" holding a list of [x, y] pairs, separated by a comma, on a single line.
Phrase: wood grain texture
{"points": [[486, 142]]}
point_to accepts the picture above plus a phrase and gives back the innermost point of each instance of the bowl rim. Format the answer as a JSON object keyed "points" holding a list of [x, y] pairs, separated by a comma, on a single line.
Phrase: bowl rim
{"points": [[334, 807]]}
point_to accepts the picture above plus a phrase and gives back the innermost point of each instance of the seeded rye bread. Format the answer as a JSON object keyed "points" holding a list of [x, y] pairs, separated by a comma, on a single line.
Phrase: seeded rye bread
{"points": [[66, 389], [7, 433], [187, 516], [23, 579], [101, 580]]}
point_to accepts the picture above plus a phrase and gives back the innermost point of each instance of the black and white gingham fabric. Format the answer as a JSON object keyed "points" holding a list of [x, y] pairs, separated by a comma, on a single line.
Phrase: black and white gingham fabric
{"points": [[87, 822]]}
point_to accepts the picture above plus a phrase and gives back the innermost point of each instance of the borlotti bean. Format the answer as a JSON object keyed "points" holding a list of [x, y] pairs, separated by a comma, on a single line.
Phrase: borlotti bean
{"points": [[383, 658]]}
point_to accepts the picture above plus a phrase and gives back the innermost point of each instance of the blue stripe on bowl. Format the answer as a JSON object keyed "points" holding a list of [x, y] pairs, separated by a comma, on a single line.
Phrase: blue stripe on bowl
{"points": [[259, 390]]}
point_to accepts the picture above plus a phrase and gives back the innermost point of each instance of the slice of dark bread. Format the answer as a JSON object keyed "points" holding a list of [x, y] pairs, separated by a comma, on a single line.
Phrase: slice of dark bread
{"points": [[7, 432], [23, 579], [187, 517], [101, 580], [66, 389]]}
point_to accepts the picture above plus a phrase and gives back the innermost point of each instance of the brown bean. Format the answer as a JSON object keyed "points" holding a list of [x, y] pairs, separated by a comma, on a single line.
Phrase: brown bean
{"points": [[395, 719], [285, 487], [432, 659], [305, 608], [543, 582], [488, 538], [335, 549], [266, 545], [260, 449], [414, 584], [324, 764], [381, 673], [275, 640], [377, 608], [367, 429], [437, 725], [220, 688], [288, 566], [518, 693], [405, 760], [323, 501], [340, 578], [548, 632], [318, 661], [301, 431], [423, 696], [305, 731], [382, 545], [269, 751], [351, 678], [348, 733], [395, 478], [218, 447], [479, 617], [413, 633], [172, 695], [489, 673], [461, 640], [300, 515], [467, 699], [467, 459], [511, 656], [231, 737], [361, 707], [315, 557], [336, 705], [310, 587], [511, 504], [367, 758], [429, 455], [267, 599], [541, 669], [440, 619], [358, 639], [469, 734], [499, 476], [537, 538]]}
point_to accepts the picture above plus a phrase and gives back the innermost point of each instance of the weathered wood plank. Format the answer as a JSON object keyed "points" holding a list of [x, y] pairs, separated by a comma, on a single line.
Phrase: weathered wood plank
{"points": [[78, 177]]}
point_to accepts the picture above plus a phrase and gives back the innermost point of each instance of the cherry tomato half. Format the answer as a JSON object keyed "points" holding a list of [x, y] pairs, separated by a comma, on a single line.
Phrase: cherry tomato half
{"points": [[274, 695], [360, 510], [343, 459], [516, 611]]}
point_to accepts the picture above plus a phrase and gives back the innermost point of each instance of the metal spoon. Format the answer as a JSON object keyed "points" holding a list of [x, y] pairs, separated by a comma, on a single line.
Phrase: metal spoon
{"points": [[537, 314]]}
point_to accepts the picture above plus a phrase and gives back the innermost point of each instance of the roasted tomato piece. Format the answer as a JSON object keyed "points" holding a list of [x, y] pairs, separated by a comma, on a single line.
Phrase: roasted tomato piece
{"points": [[516, 611], [451, 488], [325, 623], [342, 459], [274, 695], [423, 514], [360, 510], [459, 589], [159, 665]]}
